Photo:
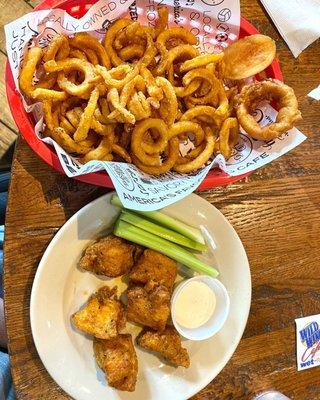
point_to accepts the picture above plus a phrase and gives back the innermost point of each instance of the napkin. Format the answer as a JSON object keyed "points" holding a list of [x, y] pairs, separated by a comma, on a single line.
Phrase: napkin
{"points": [[298, 21], [315, 93]]}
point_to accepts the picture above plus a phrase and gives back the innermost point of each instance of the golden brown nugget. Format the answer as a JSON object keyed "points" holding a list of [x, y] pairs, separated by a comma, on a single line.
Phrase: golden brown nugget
{"points": [[110, 256], [167, 344], [118, 359], [154, 266], [149, 305], [103, 316]]}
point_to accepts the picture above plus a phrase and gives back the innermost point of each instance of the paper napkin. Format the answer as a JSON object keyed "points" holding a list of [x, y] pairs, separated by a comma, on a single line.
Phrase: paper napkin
{"points": [[298, 21], [315, 93]]}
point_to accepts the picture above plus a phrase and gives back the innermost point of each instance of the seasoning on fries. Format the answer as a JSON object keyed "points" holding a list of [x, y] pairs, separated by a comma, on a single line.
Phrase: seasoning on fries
{"points": [[145, 90]]}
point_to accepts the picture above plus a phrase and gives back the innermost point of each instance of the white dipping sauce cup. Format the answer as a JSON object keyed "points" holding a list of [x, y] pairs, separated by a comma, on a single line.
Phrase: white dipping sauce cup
{"points": [[217, 319]]}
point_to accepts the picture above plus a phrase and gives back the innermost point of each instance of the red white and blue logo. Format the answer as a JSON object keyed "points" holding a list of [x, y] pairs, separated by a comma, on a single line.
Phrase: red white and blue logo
{"points": [[309, 337]]}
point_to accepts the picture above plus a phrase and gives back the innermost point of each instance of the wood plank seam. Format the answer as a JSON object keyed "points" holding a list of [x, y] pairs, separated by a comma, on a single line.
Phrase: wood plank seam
{"points": [[8, 127]]}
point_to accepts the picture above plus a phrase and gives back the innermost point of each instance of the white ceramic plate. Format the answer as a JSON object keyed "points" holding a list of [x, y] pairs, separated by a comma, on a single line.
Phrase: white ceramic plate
{"points": [[60, 288]]}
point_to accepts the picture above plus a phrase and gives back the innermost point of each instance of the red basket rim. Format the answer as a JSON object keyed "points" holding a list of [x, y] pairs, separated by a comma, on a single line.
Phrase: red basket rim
{"points": [[215, 177]]}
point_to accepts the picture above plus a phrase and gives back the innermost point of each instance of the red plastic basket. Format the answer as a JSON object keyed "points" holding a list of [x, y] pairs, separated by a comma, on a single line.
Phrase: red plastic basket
{"points": [[25, 122]]}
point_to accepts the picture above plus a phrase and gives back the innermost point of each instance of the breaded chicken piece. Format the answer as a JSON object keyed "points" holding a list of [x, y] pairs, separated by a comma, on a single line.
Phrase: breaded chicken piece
{"points": [[155, 266], [110, 256], [149, 305], [167, 344], [103, 316], [118, 359]]}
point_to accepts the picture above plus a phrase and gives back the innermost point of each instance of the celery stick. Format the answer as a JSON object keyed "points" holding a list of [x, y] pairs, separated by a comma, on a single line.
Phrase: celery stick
{"points": [[158, 230], [167, 221], [136, 235]]}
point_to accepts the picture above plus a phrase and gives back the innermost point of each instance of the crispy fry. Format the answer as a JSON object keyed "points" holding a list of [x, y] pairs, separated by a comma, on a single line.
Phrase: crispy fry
{"points": [[31, 61], [150, 53], [144, 151], [182, 52], [76, 53], [91, 56], [112, 93], [200, 61], [228, 136], [139, 106], [205, 74], [102, 129], [113, 98], [67, 126], [200, 113], [58, 49], [162, 21], [120, 151], [109, 39], [169, 102], [73, 64], [183, 128], [136, 83], [201, 159], [100, 151], [184, 91], [67, 143], [86, 118], [132, 52], [171, 158], [152, 88], [84, 41], [47, 111], [118, 77], [177, 33]]}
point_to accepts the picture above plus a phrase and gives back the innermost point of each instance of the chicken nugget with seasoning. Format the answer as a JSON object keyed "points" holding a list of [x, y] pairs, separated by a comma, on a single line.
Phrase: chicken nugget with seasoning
{"points": [[167, 344], [117, 358], [110, 256], [149, 305], [103, 316], [154, 266]]}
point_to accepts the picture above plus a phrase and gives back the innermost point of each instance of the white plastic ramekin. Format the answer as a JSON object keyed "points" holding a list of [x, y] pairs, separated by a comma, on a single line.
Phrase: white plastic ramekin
{"points": [[219, 316]]}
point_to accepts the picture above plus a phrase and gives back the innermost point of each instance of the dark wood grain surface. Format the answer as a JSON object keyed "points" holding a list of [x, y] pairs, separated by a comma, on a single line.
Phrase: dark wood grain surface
{"points": [[275, 212]]}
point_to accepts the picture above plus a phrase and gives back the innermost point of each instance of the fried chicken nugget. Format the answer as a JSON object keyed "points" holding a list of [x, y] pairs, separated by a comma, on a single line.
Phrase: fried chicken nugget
{"points": [[154, 266], [167, 344], [103, 316], [118, 359], [149, 305], [110, 256]]}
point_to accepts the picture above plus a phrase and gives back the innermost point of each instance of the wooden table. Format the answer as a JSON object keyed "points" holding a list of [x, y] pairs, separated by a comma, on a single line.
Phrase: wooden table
{"points": [[275, 211]]}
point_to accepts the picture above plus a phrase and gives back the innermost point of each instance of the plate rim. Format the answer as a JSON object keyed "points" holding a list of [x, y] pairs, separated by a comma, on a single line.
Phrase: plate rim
{"points": [[36, 282]]}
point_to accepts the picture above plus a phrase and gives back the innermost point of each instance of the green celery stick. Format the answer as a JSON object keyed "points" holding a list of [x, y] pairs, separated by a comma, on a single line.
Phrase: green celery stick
{"points": [[159, 230], [137, 235], [167, 221]]}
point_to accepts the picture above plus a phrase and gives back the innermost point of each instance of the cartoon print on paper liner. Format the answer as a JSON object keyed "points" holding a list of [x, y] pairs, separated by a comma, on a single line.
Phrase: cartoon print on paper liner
{"points": [[123, 176], [224, 15], [212, 2], [241, 151], [244, 147]]}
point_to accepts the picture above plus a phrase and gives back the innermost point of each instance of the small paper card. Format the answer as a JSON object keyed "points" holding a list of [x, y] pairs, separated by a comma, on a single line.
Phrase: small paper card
{"points": [[308, 342]]}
